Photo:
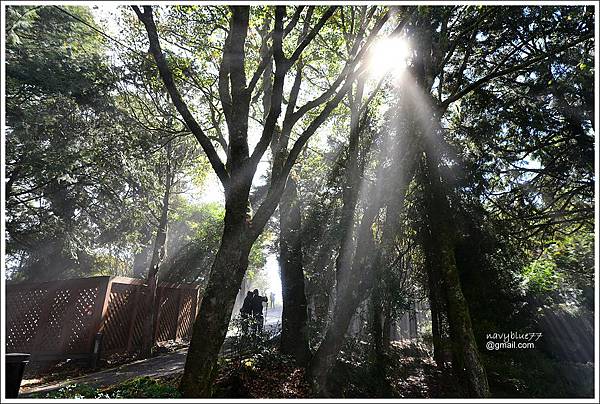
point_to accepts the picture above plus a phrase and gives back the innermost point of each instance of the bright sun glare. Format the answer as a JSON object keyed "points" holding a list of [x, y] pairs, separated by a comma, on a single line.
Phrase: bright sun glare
{"points": [[388, 55]]}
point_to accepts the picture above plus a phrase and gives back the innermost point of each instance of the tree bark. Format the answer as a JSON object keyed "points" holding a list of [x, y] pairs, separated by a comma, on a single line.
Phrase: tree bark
{"points": [[412, 321], [354, 289], [378, 323], [377, 328], [324, 359], [158, 254], [440, 257], [358, 280], [351, 190], [388, 323], [294, 333], [435, 308], [212, 321]]}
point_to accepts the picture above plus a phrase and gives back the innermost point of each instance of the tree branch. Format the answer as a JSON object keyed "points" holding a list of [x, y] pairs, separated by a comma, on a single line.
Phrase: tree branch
{"points": [[311, 35], [269, 54], [167, 78], [281, 68], [498, 73]]}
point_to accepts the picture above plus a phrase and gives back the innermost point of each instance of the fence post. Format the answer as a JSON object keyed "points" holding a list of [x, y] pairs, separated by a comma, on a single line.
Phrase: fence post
{"points": [[96, 351], [178, 319], [101, 308], [133, 318], [157, 306]]}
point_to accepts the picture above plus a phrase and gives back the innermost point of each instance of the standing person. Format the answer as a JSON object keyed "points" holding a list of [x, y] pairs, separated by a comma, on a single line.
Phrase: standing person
{"points": [[257, 311], [246, 312], [272, 296]]}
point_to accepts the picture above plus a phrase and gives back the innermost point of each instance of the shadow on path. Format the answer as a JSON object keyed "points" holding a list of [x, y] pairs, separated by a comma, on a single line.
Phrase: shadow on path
{"points": [[163, 365]]}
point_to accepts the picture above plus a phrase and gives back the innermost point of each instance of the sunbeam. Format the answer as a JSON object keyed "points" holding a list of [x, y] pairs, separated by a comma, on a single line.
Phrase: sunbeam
{"points": [[388, 55]]}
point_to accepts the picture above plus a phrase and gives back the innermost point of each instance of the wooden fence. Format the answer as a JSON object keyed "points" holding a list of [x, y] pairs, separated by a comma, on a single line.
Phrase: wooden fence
{"points": [[64, 319]]}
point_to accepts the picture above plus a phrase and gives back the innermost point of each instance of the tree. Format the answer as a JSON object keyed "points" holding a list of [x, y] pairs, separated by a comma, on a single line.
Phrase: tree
{"points": [[71, 153], [237, 173], [432, 77]]}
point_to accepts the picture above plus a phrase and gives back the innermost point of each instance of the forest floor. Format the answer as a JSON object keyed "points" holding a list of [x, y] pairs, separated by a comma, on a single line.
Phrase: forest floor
{"points": [[265, 373]]}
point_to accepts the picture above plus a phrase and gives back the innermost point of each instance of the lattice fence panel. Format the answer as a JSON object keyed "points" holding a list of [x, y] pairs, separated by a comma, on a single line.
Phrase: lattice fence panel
{"points": [[52, 333], [60, 319], [24, 309], [168, 314], [122, 307], [82, 320], [187, 311], [53, 318], [138, 329]]}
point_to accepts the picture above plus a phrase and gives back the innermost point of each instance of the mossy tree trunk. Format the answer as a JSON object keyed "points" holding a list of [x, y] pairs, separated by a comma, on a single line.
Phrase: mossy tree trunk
{"points": [[441, 261], [435, 307], [294, 333], [210, 327], [158, 254]]}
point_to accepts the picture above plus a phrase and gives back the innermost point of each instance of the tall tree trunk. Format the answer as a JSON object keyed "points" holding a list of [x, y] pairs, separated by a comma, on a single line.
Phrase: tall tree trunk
{"points": [[158, 254], [212, 321], [351, 190], [240, 230], [351, 293], [344, 305], [388, 323], [412, 321], [465, 356], [294, 333], [358, 280], [378, 333], [375, 324], [435, 307], [324, 359]]}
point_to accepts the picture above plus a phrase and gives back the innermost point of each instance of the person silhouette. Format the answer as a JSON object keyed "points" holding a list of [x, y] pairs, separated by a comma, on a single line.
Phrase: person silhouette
{"points": [[246, 312], [257, 311]]}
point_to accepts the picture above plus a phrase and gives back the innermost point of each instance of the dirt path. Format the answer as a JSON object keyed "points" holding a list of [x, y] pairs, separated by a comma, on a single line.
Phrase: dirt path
{"points": [[163, 365]]}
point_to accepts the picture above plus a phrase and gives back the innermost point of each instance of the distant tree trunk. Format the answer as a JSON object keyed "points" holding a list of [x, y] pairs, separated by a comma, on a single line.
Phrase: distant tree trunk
{"points": [[158, 255], [294, 333], [380, 342], [387, 334], [356, 286], [140, 259], [434, 307], [412, 321], [466, 361], [377, 328], [375, 322]]}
